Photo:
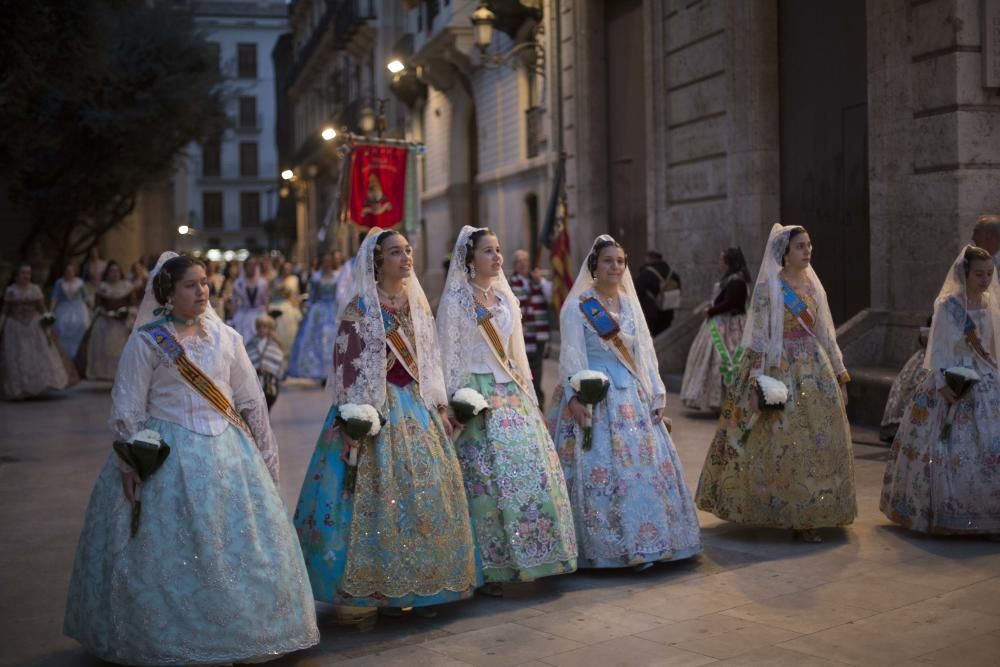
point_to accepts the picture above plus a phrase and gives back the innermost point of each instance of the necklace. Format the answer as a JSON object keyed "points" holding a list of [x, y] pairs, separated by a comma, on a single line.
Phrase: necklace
{"points": [[392, 299], [485, 292], [609, 301], [178, 320]]}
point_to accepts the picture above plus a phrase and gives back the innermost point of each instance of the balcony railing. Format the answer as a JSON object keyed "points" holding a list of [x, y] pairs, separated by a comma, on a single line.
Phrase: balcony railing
{"points": [[341, 18]]}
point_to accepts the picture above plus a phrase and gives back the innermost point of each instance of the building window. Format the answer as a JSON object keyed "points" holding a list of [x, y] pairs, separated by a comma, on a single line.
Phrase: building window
{"points": [[211, 209], [211, 162], [214, 56], [249, 209], [248, 158], [248, 112], [246, 61]]}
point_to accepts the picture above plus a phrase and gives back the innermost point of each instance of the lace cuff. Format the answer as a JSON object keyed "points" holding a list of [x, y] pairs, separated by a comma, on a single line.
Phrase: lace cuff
{"points": [[256, 417]]}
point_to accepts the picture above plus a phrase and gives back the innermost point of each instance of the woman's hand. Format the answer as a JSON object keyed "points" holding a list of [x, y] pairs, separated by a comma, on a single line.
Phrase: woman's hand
{"points": [[450, 423], [843, 392], [948, 395], [578, 410], [130, 482], [349, 444]]}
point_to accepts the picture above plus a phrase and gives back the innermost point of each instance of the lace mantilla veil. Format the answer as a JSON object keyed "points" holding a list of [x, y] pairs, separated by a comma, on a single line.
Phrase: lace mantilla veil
{"points": [[573, 346], [948, 325], [457, 326], [358, 376], [764, 331]]}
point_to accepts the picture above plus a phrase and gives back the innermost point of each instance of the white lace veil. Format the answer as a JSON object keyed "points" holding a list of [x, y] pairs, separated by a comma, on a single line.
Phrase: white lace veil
{"points": [[457, 327], [764, 331], [573, 347], [364, 382], [147, 309], [950, 308]]}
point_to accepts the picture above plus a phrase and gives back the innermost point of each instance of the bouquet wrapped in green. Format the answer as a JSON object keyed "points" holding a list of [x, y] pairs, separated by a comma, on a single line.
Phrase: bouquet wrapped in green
{"points": [[120, 313], [144, 452], [359, 422], [591, 388], [960, 380], [466, 403]]}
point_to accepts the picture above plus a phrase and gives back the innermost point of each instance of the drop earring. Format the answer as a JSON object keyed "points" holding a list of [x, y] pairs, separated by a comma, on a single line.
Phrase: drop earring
{"points": [[472, 272]]}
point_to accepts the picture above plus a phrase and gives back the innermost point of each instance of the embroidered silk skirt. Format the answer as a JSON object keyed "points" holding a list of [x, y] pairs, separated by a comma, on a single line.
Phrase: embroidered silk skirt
{"points": [[702, 387]]}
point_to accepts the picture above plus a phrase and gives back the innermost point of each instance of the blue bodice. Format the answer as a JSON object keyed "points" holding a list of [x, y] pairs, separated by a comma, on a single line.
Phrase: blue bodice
{"points": [[605, 361]]}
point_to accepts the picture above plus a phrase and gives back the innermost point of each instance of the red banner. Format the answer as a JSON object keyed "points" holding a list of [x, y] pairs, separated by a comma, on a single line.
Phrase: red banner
{"points": [[559, 256], [378, 186]]}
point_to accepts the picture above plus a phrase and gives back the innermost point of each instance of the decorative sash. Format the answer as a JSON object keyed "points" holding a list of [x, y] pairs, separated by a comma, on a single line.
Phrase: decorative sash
{"points": [[484, 318], [400, 345], [607, 328], [193, 375], [730, 364], [972, 338], [797, 307]]}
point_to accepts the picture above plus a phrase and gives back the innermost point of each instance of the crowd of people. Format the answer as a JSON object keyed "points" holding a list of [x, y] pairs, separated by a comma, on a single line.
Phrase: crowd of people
{"points": [[438, 470]]}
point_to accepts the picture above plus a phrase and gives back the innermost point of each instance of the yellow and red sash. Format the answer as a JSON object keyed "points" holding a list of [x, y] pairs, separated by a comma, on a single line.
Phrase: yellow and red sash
{"points": [[194, 376], [400, 345], [606, 326], [484, 318]]}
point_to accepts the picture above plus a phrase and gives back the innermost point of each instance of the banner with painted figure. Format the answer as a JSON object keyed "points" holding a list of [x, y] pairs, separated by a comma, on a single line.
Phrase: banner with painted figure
{"points": [[377, 195]]}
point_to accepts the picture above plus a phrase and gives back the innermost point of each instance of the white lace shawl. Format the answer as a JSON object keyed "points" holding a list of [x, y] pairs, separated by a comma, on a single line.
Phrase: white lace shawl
{"points": [[764, 331], [946, 345], [457, 326], [360, 353], [220, 354], [573, 344]]}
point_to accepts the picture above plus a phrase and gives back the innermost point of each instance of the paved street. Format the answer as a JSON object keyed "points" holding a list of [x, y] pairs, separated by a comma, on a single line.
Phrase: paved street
{"points": [[869, 595]]}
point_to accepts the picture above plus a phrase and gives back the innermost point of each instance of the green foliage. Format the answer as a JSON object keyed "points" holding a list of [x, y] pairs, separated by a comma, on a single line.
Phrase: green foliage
{"points": [[97, 97]]}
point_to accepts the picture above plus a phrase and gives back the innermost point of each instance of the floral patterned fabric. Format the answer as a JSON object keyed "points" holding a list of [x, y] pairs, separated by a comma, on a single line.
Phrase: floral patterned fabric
{"points": [[795, 467], [702, 387], [521, 515], [630, 502], [904, 388], [949, 486]]}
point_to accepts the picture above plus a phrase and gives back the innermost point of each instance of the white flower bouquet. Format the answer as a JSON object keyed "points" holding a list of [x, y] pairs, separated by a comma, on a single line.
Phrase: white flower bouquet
{"points": [[120, 313], [591, 388], [467, 403], [772, 394], [358, 422], [144, 452], [960, 380], [47, 320]]}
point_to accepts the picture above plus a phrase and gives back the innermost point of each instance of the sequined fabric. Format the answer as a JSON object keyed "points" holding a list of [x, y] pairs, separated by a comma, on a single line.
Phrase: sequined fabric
{"points": [[630, 502], [402, 538], [797, 468], [948, 486], [214, 574], [521, 513]]}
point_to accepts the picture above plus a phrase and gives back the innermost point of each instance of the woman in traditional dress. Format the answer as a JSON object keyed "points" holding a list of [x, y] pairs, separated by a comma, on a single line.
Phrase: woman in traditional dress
{"points": [[312, 351], [949, 483], [32, 360], [71, 310], [214, 573], [285, 299], [631, 504], [790, 468], [401, 538], [250, 299], [715, 355], [904, 388], [521, 515], [113, 315]]}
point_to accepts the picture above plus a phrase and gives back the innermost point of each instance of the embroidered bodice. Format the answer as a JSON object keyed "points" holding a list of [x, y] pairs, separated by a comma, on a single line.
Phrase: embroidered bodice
{"points": [[23, 304], [323, 288], [112, 296], [482, 359]]}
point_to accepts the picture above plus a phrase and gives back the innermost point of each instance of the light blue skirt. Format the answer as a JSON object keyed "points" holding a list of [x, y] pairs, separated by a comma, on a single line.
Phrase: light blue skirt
{"points": [[214, 573], [312, 352]]}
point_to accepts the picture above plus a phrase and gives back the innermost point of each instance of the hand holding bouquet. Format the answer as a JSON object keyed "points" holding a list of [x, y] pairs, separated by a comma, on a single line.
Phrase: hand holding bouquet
{"points": [[960, 380], [144, 452], [770, 395], [358, 422], [467, 403], [591, 388], [47, 320], [120, 313]]}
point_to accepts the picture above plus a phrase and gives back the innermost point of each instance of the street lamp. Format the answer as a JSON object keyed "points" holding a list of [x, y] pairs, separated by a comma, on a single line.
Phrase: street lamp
{"points": [[329, 134], [183, 229], [287, 175], [483, 20], [396, 66]]}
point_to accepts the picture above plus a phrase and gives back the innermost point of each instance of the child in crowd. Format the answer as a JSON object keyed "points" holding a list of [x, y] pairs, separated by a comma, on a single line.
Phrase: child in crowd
{"points": [[267, 358]]}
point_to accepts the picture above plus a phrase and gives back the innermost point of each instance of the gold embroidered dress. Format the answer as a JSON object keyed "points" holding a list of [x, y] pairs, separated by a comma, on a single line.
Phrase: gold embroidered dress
{"points": [[794, 468]]}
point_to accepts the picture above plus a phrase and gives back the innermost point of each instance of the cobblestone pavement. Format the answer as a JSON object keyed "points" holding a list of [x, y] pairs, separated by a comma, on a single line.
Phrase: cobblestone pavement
{"points": [[869, 595]]}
